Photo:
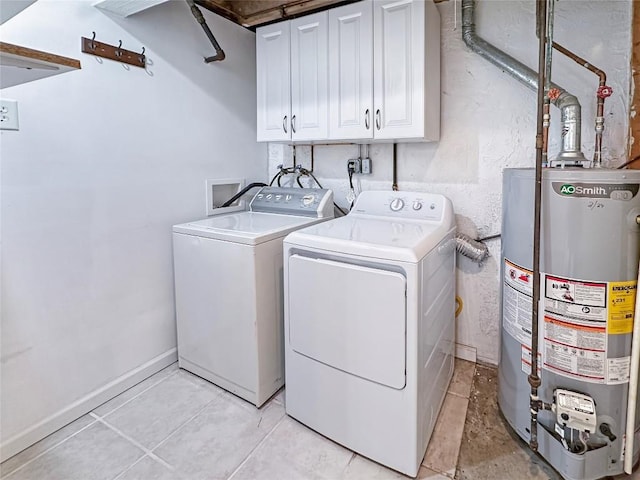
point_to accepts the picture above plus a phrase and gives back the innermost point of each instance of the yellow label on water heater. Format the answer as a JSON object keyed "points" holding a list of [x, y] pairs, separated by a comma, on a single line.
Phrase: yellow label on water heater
{"points": [[622, 300]]}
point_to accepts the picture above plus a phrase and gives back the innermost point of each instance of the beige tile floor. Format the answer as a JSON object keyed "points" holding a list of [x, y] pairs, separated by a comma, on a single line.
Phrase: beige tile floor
{"points": [[176, 426]]}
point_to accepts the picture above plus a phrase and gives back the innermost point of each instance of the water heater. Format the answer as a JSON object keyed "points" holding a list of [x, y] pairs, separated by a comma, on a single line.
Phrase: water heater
{"points": [[589, 253]]}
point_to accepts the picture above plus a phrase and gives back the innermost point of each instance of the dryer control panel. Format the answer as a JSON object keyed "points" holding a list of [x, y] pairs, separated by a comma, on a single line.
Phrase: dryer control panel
{"points": [[407, 205], [307, 202]]}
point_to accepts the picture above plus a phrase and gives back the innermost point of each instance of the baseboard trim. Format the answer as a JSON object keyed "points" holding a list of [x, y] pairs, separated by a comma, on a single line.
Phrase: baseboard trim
{"points": [[465, 352], [40, 430]]}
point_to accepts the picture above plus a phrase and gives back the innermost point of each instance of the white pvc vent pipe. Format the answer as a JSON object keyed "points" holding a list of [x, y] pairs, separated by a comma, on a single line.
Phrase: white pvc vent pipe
{"points": [[633, 385]]}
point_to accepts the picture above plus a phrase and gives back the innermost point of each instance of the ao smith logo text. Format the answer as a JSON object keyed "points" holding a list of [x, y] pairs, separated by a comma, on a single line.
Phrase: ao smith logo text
{"points": [[569, 189], [614, 191]]}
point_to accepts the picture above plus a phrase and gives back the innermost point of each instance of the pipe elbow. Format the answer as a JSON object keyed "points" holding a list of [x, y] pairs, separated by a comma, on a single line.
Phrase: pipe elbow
{"points": [[218, 57], [566, 99], [469, 37]]}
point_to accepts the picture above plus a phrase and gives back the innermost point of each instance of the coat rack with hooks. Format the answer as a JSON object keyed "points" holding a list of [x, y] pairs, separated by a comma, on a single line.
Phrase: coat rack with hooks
{"points": [[119, 54]]}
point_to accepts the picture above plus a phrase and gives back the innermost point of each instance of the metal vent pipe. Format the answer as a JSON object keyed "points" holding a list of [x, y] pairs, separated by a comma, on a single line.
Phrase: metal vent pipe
{"points": [[567, 103]]}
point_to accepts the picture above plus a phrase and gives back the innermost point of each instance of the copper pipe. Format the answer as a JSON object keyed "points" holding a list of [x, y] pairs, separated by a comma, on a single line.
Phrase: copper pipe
{"points": [[546, 117], [534, 379], [582, 61], [545, 132], [602, 93]]}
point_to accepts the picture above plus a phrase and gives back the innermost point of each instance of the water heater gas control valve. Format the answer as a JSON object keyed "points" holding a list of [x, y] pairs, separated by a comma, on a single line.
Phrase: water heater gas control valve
{"points": [[575, 410]]}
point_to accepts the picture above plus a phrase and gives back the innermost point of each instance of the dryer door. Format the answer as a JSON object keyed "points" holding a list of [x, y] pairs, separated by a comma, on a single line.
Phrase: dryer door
{"points": [[350, 317]]}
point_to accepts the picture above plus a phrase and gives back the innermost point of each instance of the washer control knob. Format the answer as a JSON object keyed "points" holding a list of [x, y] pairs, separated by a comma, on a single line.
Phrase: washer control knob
{"points": [[287, 198], [396, 204], [417, 205], [308, 200], [269, 196]]}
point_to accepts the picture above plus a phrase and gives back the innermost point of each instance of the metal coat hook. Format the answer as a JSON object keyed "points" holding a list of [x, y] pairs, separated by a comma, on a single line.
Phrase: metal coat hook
{"points": [[119, 54]]}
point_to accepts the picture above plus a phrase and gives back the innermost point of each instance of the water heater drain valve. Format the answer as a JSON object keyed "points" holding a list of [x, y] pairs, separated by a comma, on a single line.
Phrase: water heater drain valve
{"points": [[575, 411]]}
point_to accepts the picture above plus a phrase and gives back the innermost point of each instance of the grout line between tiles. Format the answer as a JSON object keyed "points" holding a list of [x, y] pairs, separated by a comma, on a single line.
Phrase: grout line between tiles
{"points": [[216, 398], [135, 443], [256, 447], [95, 415], [28, 462], [121, 474]]}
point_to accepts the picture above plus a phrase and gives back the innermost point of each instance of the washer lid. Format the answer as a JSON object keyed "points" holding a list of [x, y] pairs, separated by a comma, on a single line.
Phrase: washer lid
{"points": [[250, 228], [384, 238]]}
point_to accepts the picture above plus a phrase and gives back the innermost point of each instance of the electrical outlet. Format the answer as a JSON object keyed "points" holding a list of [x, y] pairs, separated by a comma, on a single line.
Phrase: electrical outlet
{"points": [[8, 115], [353, 165]]}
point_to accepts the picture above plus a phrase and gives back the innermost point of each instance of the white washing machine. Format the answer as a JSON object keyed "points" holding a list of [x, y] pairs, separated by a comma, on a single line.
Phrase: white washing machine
{"points": [[228, 286], [369, 324]]}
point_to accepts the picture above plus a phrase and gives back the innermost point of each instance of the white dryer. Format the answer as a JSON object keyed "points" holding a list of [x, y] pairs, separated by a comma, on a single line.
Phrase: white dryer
{"points": [[228, 286], [369, 324]]}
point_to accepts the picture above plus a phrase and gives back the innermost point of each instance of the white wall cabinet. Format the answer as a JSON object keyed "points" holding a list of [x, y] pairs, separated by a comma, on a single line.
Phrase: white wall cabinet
{"points": [[351, 71], [309, 77], [383, 83], [406, 72], [292, 76], [273, 79]]}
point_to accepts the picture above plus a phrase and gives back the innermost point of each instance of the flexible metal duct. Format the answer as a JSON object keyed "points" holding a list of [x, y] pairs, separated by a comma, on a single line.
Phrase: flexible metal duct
{"points": [[567, 103], [470, 248]]}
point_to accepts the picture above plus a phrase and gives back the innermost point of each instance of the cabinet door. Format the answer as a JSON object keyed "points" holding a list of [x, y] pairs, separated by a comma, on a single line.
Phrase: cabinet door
{"points": [[351, 71], [309, 77], [406, 64], [274, 93]]}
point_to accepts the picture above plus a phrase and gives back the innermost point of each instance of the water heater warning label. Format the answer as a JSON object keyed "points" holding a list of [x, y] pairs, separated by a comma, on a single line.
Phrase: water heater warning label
{"points": [[622, 299], [579, 316], [575, 349], [576, 299], [516, 302]]}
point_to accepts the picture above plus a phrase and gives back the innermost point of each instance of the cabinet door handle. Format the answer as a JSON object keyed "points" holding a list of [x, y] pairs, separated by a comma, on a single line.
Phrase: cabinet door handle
{"points": [[366, 119], [378, 119], [293, 124], [284, 124]]}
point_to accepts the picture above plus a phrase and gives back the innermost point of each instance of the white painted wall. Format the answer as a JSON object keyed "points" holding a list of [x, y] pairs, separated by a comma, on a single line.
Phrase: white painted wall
{"points": [[107, 159], [488, 123]]}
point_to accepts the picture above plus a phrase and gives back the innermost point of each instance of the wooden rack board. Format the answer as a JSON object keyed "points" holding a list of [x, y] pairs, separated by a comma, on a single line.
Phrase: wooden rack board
{"points": [[119, 54]]}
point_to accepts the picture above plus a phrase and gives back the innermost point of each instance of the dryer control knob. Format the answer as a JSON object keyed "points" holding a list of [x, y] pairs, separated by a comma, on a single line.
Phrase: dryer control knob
{"points": [[417, 205], [396, 204], [308, 200]]}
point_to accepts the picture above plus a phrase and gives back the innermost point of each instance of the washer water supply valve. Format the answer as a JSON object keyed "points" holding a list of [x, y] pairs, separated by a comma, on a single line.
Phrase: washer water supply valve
{"points": [[575, 418], [604, 91]]}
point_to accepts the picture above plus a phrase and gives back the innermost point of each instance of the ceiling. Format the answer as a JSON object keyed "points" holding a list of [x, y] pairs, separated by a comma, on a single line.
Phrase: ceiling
{"points": [[253, 13]]}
